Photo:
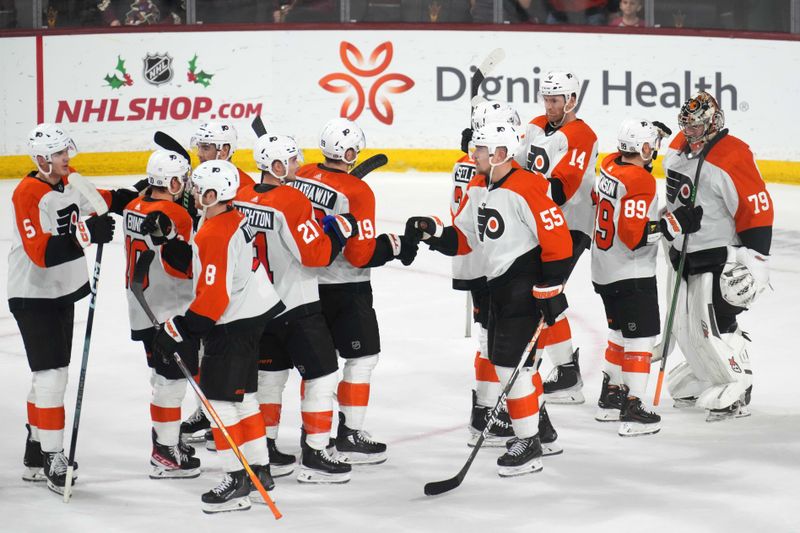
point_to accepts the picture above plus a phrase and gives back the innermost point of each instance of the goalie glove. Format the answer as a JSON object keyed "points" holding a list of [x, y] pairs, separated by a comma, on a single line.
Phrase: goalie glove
{"points": [[550, 300], [744, 276], [159, 227], [341, 227], [95, 230], [681, 221]]}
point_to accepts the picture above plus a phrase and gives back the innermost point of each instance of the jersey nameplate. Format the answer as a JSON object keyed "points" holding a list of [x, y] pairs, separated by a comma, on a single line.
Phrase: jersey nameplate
{"points": [[318, 195], [133, 222], [463, 173], [257, 218], [607, 185]]}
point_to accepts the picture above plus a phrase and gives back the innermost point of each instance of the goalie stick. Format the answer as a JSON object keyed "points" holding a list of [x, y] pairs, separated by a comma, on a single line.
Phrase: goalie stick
{"points": [[140, 270], [439, 487], [89, 192]]}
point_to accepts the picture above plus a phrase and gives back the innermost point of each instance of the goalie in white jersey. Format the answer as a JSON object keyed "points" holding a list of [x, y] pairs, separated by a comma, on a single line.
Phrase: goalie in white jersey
{"points": [[289, 243], [527, 246], [727, 260], [564, 149], [155, 222]]}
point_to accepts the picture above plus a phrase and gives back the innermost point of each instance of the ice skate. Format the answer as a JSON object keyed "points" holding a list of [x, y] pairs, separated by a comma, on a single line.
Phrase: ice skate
{"points": [[500, 431], [263, 472], [635, 420], [54, 466], [524, 457], [33, 460], [232, 494], [564, 383], [737, 410], [610, 401], [317, 466], [548, 434], [172, 462], [357, 447], [684, 403], [281, 464], [210, 444], [192, 426]]}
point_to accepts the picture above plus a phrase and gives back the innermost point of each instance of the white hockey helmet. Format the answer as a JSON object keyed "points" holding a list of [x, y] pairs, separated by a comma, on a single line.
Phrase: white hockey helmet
{"points": [[493, 135], [163, 165], [562, 83], [48, 139], [704, 110], [270, 148], [218, 133], [338, 136], [216, 175], [494, 111], [634, 133]]}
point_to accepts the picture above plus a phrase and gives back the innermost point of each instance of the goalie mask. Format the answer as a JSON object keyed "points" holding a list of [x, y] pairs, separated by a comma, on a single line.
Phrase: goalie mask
{"points": [[164, 165], [340, 135], [46, 140], [271, 148], [701, 111], [217, 134]]}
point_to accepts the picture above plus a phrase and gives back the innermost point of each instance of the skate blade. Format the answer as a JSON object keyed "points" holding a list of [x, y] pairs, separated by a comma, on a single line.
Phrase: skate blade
{"points": [[683, 403], [565, 397], [492, 441], [551, 448], [237, 504], [635, 429], [357, 458], [56, 488], [211, 447], [743, 412], [193, 439], [531, 467], [256, 499], [607, 415], [34, 475], [307, 475], [159, 472], [281, 470]]}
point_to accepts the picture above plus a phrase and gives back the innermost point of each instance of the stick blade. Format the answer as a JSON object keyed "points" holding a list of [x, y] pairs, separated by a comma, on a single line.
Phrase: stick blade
{"points": [[87, 189], [142, 266], [373, 163], [434, 488], [258, 126], [491, 61]]}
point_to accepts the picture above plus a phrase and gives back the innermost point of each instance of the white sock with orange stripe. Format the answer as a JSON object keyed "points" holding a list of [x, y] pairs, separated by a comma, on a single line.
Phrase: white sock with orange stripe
{"points": [[49, 387], [522, 401], [245, 426], [165, 408], [558, 341], [615, 350], [636, 364], [353, 392], [270, 398], [487, 384], [316, 407], [33, 414]]}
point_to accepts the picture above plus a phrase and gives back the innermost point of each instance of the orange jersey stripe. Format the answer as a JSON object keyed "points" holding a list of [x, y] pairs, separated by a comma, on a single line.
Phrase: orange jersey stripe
{"points": [[485, 371], [353, 394], [33, 415], [637, 362], [271, 413], [252, 428], [50, 418], [318, 422], [523, 407], [164, 414]]}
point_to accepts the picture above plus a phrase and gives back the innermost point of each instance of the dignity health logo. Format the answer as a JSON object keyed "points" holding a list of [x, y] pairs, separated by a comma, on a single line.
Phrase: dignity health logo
{"points": [[370, 71]]}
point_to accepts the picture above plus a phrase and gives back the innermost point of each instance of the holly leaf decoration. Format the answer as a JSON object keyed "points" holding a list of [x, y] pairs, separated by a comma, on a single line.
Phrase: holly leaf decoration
{"points": [[114, 82], [121, 65], [203, 78], [193, 64]]}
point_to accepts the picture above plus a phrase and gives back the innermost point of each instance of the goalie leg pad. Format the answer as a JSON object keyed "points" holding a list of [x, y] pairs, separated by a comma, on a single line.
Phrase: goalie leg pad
{"points": [[683, 383], [737, 366]]}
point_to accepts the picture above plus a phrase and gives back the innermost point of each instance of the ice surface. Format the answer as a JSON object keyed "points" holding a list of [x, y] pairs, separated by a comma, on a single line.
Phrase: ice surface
{"points": [[693, 476]]}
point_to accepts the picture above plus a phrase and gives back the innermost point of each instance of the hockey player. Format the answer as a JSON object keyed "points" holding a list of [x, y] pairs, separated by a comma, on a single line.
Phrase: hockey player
{"points": [[527, 247], [344, 287], [624, 274], [727, 261], [155, 222], [564, 149], [46, 276], [232, 302], [289, 243]]}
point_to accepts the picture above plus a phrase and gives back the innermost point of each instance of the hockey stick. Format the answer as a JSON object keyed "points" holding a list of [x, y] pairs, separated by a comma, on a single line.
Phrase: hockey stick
{"points": [[140, 270], [488, 65], [679, 273], [258, 126], [373, 163], [438, 487], [169, 143], [90, 193]]}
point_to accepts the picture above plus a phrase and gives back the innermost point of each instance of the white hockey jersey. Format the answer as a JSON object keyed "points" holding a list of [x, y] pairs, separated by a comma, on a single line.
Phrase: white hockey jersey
{"points": [[568, 154], [46, 267], [509, 219], [626, 202], [334, 192], [731, 190], [228, 286], [288, 240], [167, 290]]}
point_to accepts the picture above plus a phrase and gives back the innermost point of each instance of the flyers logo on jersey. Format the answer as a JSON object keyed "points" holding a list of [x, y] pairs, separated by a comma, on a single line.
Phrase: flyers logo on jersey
{"points": [[354, 61], [490, 223], [67, 217], [678, 186], [538, 159]]}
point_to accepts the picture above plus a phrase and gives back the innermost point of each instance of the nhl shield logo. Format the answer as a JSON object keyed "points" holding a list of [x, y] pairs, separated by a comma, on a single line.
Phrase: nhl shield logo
{"points": [[157, 69]]}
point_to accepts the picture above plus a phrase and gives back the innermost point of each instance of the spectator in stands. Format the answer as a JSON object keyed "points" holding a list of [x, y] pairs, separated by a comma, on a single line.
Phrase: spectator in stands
{"points": [[628, 16], [141, 12], [577, 12], [309, 11], [514, 11]]}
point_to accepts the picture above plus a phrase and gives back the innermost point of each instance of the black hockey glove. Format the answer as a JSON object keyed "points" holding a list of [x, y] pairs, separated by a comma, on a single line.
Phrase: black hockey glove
{"points": [[682, 221], [141, 185], [427, 227], [404, 248], [340, 227], [551, 301], [95, 230], [662, 128], [170, 338], [466, 138], [120, 198], [159, 227]]}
